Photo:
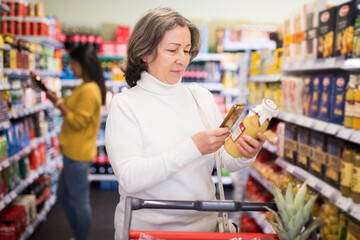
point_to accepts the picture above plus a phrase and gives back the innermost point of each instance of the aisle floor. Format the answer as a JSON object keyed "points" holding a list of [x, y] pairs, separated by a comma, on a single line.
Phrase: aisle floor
{"points": [[103, 203]]}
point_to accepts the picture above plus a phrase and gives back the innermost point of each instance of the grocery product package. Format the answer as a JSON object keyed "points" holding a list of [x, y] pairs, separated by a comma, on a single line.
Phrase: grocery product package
{"points": [[326, 33]]}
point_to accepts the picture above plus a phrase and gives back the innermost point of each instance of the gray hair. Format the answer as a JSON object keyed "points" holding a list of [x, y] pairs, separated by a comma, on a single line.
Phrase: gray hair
{"points": [[147, 34]]}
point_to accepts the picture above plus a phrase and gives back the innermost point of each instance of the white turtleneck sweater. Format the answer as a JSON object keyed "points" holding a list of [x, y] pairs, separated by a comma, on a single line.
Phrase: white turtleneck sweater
{"points": [[148, 141]]}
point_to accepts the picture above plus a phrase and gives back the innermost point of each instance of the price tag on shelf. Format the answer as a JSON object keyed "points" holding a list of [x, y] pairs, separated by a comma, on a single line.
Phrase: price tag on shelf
{"points": [[327, 191], [345, 133], [6, 163], [309, 64], [290, 169], [330, 63], [2, 205], [332, 128], [7, 199], [296, 65], [343, 203], [355, 212], [319, 125], [312, 181], [287, 117], [13, 194], [355, 137]]}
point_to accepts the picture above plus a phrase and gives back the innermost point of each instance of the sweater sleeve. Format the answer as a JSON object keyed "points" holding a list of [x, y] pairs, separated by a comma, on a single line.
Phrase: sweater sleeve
{"points": [[134, 171], [84, 110]]}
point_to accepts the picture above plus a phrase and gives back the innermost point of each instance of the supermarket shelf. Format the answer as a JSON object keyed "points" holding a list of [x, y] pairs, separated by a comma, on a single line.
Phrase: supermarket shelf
{"points": [[100, 142], [70, 82], [238, 46], [230, 66], [206, 57], [4, 8], [265, 78], [264, 182], [28, 111], [115, 83], [40, 218], [322, 126], [26, 72], [225, 180], [26, 150], [334, 63], [270, 147], [101, 177], [5, 86], [216, 87], [262, 222], [334, 195], [43, 40], [23, 184], [76, 82], [5, 125]]}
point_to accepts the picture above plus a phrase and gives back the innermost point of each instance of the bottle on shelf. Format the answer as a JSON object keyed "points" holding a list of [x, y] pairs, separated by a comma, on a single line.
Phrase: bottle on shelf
{"points": [[350, 101], [346, 172], [356, 121], [355, 179]]}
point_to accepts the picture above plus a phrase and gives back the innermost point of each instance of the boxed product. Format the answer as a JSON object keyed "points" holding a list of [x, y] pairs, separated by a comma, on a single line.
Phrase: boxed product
{"points": [[318, 156], [316, 96], [335, 148], [307, 95], [356, 46], [285, 83], [290, 149], [328, 84], [337, 101], [345, 19], [280, 133], [29, 203], [288, 37], [304, 150], [312, 20], [297, 52], [326, 33]]}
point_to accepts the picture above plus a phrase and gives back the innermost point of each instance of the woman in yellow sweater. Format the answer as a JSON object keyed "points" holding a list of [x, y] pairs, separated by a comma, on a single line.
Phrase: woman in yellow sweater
{"points": [[81, 112]]}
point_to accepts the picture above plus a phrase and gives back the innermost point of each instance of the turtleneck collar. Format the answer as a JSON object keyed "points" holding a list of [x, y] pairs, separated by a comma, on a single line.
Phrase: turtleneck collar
{"points": [[154, 85]]}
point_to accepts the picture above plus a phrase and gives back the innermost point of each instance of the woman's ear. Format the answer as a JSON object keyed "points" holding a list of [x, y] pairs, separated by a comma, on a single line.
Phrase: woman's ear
{"points": [[144, 59]]}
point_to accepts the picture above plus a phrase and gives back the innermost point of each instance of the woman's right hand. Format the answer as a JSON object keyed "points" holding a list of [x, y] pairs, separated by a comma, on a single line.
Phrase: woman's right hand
{"points": [[211, 140]]}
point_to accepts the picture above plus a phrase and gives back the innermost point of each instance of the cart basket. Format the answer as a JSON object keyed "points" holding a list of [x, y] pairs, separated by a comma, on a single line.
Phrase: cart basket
{"points": [[212, 206]]}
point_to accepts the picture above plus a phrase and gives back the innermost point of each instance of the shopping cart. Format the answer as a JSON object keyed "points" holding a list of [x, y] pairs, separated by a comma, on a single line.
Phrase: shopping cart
{"points": [[213, 206]]}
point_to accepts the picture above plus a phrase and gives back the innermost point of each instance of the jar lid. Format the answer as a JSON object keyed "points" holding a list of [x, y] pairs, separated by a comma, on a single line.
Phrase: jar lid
{"points": [[270, 107]]}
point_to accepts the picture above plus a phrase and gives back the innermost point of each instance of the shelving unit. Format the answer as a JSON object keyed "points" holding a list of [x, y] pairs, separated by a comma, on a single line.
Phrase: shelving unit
{"points": [[239, 46], [28, 111], [40, 218], [334, 195], [262, 222], [322, 126], [270, 147], [208, 57], [334, 63], [21, 72], [265, 78], [260, 179]]}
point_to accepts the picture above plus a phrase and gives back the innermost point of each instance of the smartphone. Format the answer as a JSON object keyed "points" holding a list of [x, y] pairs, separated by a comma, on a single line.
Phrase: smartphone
{"points": [[233, 115]]}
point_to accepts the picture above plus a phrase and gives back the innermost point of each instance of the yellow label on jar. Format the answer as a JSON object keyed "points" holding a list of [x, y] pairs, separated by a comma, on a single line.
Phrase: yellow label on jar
{"points": [[355, 180], [346, 173]]}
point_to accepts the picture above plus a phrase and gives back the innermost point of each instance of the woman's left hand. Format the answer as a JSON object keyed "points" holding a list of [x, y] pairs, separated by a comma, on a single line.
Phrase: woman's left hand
{"points": [[249, 146]]}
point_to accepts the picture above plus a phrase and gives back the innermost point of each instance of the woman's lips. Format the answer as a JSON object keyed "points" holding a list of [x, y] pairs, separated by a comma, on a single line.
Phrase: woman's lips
{"points": [[177, 72]]}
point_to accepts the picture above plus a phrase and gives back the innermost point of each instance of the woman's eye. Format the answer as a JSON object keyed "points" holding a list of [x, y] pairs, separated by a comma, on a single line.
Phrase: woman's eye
{"points": [[172, 51], [187, 52]]}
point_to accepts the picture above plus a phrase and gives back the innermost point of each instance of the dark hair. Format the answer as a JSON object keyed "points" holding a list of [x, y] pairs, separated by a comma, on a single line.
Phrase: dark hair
{"points": [[90, 64], [147, 34]]}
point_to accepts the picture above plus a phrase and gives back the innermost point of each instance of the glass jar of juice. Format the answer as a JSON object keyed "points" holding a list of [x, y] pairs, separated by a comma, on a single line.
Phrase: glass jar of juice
{"points": [[256, 121]]}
